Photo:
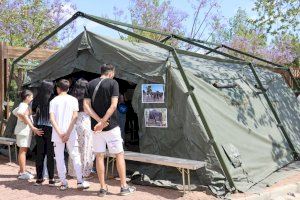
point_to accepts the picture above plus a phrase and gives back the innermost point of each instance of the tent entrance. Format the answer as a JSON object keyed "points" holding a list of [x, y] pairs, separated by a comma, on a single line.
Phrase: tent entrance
{"points": [[128, 121]]}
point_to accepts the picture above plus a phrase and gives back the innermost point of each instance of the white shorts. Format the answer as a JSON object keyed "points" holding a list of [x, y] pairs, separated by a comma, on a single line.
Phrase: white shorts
{"points": [[111, 138], [24, 140]]}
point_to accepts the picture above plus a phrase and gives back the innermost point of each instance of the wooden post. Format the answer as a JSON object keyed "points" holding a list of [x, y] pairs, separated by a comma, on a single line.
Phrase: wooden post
{"points": [[2, 67], [6, 77]]}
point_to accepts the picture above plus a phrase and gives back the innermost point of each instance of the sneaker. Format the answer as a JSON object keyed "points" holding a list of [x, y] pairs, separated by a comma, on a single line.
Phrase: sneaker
{"points": [[103, 192], [25, 176], [63, 187], [39, 182], [83, 185], [53, 182], [127, 190]]}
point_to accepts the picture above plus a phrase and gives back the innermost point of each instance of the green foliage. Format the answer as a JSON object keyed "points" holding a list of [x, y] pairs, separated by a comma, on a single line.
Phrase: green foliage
{"points": [[278, 16]]}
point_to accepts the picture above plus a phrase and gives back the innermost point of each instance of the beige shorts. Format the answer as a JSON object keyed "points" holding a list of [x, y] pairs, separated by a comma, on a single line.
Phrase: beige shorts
{"points": [[24, 140], [111, 138]]}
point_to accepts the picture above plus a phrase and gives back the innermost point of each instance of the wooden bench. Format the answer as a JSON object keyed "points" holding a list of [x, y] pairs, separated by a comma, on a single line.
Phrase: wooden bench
{"points": [[183, 165], [9, 142]]}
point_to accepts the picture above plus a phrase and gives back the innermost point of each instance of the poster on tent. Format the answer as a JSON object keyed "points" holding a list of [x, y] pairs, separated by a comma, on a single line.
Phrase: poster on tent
{"points": [[156, 117], [153, 93]]}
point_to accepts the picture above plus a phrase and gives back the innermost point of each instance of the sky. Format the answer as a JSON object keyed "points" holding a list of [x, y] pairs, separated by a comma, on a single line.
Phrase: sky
{"points": [[105, 8]]}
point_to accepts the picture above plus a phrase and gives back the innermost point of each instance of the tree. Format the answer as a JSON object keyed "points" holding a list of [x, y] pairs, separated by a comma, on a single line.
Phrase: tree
{"points": [[154, 14], [25, 22], [278, 16], [239, 33]]}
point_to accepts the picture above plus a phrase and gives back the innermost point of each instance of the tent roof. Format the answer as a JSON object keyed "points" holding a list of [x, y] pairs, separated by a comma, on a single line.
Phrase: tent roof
{"points": [[88, 51]]}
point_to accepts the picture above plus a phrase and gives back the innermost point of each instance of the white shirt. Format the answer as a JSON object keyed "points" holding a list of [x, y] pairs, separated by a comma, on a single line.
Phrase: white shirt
{"points": [[63, 107], [298, 98]]}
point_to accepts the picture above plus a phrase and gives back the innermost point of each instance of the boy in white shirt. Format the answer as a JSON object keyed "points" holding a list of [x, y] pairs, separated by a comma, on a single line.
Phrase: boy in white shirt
{"points": [[63, 114]]}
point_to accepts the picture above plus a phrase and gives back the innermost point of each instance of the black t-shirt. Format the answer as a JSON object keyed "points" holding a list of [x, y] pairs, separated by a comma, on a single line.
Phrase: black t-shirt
{"points": [[108, 88]]}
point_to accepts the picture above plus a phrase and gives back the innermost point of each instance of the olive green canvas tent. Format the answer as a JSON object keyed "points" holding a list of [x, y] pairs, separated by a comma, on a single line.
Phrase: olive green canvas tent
{"points": [[228, 115]]}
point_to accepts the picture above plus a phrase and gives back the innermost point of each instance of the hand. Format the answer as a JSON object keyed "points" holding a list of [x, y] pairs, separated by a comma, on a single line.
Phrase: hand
{"points": [[100, 126], [38, 132], [65, 138]]}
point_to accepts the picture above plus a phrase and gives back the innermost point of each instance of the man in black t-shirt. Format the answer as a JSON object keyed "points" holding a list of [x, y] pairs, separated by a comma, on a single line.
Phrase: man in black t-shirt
{"points": [[100, 102]]}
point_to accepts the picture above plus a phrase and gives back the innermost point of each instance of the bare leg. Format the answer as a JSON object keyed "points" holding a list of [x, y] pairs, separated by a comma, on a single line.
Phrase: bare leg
{"points": [[22, 159], [121, 167], [100, 169]]}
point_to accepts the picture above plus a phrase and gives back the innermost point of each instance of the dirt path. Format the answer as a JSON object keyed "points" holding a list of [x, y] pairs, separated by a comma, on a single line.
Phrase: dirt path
{"points": [[13, 189]]}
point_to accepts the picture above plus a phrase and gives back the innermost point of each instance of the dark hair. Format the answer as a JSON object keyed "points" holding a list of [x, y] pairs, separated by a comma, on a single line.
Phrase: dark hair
{"points": [[25, 93], [79, 90], [40, 103], [45, 91], [106, 68], [63, 84]]}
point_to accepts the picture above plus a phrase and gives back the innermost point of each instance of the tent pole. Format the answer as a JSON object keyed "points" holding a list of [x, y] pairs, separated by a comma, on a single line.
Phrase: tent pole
{"points": [[167, 47], [129, 25], [207, 48], [166, 38], [264, 60], [218, 47], [279, 124], [37, 45], [110, 25], [187, 39], [203, 119]]}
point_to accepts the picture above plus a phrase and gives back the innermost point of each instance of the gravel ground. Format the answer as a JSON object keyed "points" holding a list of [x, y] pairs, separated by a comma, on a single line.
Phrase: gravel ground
{"points": [[13, 189]]}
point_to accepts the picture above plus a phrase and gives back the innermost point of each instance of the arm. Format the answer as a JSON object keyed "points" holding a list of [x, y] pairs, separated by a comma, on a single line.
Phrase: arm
{"points": [[28, 121], [108, 114], [111, 110], [87, 106], [73, 121], [55, 125]]}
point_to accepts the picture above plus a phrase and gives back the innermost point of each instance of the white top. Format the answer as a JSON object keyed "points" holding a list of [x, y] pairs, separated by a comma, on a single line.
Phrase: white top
{"points": [[21, 128], [21, 109], [63, 107], [298, 98]]}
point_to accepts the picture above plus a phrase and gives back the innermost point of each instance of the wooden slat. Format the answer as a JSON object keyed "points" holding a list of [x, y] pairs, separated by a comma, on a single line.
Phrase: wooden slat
{"points": [[7, 141], [162, 160], [38, 54]]}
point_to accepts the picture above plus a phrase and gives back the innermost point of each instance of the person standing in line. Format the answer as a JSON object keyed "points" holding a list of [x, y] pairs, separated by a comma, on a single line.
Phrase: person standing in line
{"points": [[63, 115], [84, 132], [122, 109], [100, 102], [44, 145], [23, 131]]}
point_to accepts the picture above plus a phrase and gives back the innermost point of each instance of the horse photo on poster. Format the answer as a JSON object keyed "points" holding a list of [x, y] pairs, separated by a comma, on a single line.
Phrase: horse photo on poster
{"points": [[153, 93]]}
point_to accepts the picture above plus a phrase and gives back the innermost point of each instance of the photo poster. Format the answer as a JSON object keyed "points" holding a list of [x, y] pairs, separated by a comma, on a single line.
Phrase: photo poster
{"points": [[153, 93], [156, 117]]}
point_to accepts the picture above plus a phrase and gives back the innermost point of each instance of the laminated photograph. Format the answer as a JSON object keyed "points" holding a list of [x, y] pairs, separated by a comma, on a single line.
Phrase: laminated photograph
{"points": [[153, 93], [156, 117]]}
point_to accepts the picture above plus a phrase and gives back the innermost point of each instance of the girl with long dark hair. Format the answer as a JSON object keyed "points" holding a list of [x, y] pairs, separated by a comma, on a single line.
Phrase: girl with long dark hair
{"points": [[84, 132], [43, 142]]}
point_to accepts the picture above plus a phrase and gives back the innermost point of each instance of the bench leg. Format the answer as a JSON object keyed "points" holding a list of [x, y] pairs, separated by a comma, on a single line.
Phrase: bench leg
{"points": [[106, 169], [113, 166], [183, 180], [189, 179], [16, 152], [9, 153]]}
